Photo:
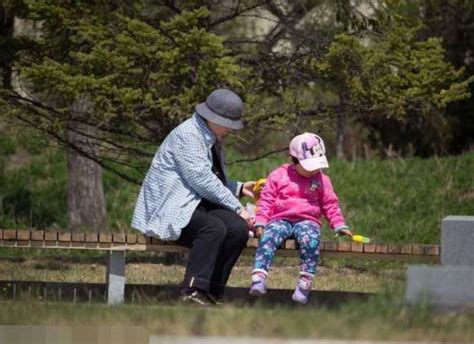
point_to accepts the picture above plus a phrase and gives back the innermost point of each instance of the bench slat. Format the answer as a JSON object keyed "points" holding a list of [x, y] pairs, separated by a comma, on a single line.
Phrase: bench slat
{"points": [[289, 244], [394, 248], [344, 246], [37, 235], [78, 237], [131, 238], [406, 249], [139, 242], [50, 236], [381, 248], [9, 234], [330, 246], [23, 235], [418, 249], [252, 243], [432, 250], [105, 237], [65, 244], [357, 247], [65, 237], [92, 237], [369, 248], [121, 238]]}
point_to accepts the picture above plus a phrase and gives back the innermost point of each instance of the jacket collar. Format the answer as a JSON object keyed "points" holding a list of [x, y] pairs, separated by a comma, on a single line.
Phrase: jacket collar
{"points": [[209, 136]]}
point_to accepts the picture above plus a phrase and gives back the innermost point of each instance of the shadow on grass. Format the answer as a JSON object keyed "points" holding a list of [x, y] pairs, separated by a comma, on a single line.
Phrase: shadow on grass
{"points": [[163, 294], [238, 296]]}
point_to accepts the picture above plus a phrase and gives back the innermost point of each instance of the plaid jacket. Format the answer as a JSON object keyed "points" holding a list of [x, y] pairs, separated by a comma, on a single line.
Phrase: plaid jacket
{"points": [[181, 175]]}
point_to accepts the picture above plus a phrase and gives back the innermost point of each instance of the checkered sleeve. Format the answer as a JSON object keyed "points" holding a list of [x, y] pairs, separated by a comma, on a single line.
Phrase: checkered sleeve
{"points": [[195, 168]]}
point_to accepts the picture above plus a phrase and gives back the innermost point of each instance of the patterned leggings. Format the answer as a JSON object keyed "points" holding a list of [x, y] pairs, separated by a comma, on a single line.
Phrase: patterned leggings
{"points": [[307, 235]]}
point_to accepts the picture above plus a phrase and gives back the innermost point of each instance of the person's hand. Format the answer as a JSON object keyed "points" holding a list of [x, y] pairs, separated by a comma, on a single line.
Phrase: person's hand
{"points": [[258, 231], [247, 217], [345, 232], [247, 189]]}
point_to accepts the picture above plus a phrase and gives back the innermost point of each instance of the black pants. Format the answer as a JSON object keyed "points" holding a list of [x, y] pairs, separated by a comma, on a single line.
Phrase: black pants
{"points": [[216, 237]]}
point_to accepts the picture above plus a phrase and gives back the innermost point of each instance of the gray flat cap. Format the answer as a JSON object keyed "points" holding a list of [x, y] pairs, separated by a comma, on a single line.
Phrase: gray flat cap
{"points": [[222, 107]]}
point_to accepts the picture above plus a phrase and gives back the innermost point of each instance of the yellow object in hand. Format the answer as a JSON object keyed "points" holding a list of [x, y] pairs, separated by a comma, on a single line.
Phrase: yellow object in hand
{"points": [[258, 187], [360, 238]]}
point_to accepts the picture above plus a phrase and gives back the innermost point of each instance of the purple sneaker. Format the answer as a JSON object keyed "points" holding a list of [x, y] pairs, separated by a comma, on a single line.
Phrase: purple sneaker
{"points": [[258, 288], [302, 291]]}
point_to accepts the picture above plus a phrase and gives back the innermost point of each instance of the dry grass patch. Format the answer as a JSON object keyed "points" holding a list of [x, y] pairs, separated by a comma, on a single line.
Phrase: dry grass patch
{"points": [[52, 270], [330, 277]]}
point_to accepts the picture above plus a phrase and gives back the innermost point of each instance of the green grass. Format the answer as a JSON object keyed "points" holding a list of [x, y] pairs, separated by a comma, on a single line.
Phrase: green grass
{"points": [[405, 200], [380, 318]]}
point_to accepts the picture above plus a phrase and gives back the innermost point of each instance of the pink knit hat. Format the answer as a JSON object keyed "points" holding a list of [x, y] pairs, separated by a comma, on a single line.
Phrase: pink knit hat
{"points": [[309, 149]]}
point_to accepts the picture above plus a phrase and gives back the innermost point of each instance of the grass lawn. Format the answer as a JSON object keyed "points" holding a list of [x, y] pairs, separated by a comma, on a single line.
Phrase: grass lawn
{"points": [[337, 275], [382, 317]]}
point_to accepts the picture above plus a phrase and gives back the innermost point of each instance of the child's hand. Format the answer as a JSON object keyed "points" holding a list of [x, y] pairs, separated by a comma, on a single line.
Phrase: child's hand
{"points": [[345, 232], [258, 231]]}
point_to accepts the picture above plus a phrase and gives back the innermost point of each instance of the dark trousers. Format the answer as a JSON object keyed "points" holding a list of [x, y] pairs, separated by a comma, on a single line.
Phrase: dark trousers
{"points": [[216, 238]]}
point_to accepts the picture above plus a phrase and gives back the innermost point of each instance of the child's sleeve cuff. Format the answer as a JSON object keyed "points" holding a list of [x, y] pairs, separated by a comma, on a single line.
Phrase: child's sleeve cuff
{"points": [[340, 228]]}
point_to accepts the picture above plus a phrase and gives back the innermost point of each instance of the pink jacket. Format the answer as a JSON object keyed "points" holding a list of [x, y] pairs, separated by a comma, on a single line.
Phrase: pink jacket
{"points": [[290, 196]]}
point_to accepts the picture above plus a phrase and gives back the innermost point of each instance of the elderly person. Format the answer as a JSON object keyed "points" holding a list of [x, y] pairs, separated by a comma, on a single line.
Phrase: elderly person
{"points": [[186, 197]]}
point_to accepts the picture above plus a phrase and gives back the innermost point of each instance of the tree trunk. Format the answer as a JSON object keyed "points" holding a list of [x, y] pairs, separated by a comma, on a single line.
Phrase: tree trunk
{"points": [[85, 195], [340, 133], [6, 35]]}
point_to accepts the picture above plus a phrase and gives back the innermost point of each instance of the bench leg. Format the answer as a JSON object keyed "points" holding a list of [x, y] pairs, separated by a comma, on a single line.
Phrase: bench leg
{"points": [[116, 277]]}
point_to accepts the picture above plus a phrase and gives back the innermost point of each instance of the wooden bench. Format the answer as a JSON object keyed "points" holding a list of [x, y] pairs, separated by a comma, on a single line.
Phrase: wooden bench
{"points": [[119, 244]]}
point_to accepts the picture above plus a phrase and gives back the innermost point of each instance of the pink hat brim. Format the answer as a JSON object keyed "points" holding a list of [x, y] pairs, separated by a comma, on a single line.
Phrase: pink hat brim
{"points": [[315, 163]]}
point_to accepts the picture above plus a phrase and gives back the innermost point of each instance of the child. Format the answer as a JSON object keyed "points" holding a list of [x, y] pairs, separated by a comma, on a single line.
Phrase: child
{"points": [[291, 204]]}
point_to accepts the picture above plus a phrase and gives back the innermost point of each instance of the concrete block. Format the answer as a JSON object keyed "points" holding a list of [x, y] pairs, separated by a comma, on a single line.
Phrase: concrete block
{"points": [[116, 278], [443, 287], [457, 240]]}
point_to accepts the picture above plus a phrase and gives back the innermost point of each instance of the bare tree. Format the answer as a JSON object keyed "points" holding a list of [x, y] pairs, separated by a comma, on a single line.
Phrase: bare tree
{"points": [[85, 196]]}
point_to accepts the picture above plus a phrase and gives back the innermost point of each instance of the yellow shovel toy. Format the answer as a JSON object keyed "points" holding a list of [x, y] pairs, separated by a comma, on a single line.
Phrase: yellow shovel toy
{"points": [[359, 238]]}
